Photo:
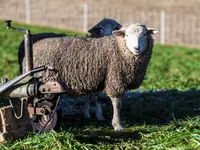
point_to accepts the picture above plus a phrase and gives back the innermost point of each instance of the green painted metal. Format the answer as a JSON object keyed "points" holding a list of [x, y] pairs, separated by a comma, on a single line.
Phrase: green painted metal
{"points": [[5, 101]]}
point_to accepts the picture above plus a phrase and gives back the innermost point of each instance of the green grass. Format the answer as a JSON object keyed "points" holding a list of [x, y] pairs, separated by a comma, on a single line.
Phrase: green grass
{"points": [[165, 116], [173, 67]]}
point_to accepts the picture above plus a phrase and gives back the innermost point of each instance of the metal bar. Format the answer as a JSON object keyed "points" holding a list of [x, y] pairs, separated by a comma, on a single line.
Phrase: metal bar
{"points": [[37, 111], [16, 91], [53, 87], [18, 29], [28, 50], [10, 83], [8, 24]]}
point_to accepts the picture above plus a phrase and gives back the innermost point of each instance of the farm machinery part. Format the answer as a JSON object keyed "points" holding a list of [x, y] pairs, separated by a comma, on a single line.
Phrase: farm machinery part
{"points": [[35, 99]]}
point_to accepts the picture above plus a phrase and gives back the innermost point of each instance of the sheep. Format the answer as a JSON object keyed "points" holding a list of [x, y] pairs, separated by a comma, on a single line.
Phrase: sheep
{"points": [[103, 28], [113, 64]]}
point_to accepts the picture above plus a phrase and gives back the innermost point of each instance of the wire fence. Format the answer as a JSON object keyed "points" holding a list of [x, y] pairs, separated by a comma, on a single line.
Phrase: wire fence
{"points": [[174, 28]]}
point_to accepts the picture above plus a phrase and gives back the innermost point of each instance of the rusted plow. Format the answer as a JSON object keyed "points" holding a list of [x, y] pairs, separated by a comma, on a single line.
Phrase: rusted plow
{"points": [[27, 103]]}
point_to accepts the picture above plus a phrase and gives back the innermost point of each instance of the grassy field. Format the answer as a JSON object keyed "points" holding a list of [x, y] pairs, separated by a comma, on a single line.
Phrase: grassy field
{"points": [[165, 116]]}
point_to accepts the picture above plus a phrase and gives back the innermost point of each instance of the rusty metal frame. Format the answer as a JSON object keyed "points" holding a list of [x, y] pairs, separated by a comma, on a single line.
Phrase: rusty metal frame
{"points": [[53, 87], [37, 111]]}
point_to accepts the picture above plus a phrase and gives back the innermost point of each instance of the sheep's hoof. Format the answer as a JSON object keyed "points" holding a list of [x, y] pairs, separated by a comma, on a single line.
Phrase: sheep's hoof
{"points": [[118, 128], [100, 118], [87, 116]]}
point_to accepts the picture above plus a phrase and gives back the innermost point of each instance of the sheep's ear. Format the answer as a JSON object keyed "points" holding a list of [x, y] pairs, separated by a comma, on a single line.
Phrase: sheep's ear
{"points": [[119, 33], [117, 27], [94, 29], [152, 30]]}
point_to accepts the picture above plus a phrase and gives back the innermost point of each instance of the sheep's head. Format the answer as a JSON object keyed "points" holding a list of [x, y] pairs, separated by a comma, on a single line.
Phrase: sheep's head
{"points": [[136, 36], [104, 28]]}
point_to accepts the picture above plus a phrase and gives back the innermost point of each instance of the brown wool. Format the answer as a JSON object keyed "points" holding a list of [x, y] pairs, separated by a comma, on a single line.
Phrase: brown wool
{"points": [[93, 64]]}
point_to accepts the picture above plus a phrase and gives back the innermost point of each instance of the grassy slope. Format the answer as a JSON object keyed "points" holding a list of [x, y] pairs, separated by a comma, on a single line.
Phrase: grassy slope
{"points": [[161, 119]]}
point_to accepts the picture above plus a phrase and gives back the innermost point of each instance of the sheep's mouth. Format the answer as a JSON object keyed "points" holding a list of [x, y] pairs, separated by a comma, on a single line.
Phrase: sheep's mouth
{"points": [[136, 52]]}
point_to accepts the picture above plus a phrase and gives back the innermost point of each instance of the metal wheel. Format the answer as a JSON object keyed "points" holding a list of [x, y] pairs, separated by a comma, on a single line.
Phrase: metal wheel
{"points": [[40, 120]]}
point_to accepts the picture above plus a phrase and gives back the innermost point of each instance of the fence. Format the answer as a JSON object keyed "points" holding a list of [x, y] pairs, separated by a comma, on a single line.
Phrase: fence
{"points": [[174, 27]]}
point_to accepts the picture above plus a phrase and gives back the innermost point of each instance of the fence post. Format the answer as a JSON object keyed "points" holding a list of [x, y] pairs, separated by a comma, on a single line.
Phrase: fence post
{"points": [[162, 27], [85, 17], [28, 17]]}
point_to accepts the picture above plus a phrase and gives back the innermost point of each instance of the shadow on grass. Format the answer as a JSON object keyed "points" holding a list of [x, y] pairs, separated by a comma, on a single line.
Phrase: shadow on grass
{"points": [[92, 131], [107, 137], [161, 107], [150, 108]]}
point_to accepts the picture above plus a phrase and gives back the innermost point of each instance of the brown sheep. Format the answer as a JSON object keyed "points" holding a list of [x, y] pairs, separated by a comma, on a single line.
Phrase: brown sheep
{"points": [[103, 28], [112, 64]]}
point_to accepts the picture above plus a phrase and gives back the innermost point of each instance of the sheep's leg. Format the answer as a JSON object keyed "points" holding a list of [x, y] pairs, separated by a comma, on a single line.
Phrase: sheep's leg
{"points": [[116, 122], [98, 109], [86, 108]]}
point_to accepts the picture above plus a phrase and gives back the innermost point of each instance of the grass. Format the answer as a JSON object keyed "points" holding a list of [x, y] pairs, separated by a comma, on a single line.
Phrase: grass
{"points": [[173, 67], [164, 116]]}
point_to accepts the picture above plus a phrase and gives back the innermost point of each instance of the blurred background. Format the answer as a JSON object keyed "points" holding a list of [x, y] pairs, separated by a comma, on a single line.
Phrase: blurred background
{"points": [[178, 21], [166, 115]]}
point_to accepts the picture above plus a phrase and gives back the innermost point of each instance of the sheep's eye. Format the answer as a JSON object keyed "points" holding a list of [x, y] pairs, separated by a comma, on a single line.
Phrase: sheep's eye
{"points": [[116, 28], [144, 34], [126, 35], [137, 30], [100, 27]]}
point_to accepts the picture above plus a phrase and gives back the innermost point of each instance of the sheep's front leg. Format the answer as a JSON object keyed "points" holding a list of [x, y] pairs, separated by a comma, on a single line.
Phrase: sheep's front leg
{"points": [[116, 122]]}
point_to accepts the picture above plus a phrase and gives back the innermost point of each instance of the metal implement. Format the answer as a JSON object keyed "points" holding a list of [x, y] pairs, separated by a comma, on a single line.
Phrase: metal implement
{"points": [[12, 83], [53, 87], [38, 111], [39, 98], [28, 44], [12, 127]]}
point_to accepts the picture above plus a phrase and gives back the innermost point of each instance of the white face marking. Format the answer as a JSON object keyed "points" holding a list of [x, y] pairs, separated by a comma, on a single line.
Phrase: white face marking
{"points": [[136, 38]]}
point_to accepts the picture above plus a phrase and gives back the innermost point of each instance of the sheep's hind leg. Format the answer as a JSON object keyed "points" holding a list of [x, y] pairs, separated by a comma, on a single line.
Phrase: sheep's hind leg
{"points": [[98, 109], [116, 121], [86, 108]]}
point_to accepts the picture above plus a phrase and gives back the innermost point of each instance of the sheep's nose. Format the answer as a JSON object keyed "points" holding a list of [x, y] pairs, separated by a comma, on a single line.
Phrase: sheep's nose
{"points": [[137, 48]]}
